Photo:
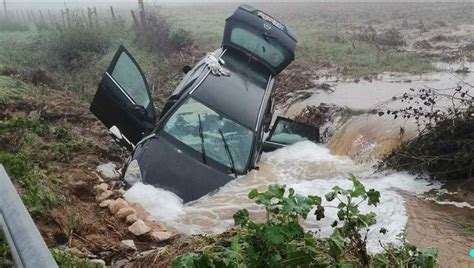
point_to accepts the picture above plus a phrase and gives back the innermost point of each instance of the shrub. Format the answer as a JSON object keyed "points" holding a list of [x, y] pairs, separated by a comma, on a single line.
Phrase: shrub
{"points": [[73, 45], [444, 147], [156, 34], [181, 38]]}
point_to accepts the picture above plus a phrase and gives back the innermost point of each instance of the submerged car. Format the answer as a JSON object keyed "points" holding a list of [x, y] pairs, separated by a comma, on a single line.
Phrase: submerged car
{"points": [[216, 124]]}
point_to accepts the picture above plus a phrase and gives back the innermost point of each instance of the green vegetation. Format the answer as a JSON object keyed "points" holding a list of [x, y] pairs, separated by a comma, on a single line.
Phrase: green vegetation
{"points": [[10, 88], [74, 56], [66, 260], [9, 26], [322, 33], [28, 145], [357, 58], [281, 241], [5, 253]]}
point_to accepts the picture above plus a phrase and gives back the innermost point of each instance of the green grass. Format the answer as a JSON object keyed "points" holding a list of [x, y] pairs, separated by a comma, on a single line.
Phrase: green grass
{"points": [[6, 259], [11, 87], [317, 42], [357, 58], [70, 261], [28, 147]]}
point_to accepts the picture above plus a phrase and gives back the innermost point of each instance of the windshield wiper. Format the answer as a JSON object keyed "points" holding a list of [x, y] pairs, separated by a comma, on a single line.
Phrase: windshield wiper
{"points": [[201, 134], [226, 146], [266, 36]]}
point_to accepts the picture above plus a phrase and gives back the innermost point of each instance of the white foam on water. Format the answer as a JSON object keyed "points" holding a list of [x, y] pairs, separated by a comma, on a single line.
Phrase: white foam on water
{"points": [[452, 203], [163, 205], [303, 151], [391, 212], [309, 169]]}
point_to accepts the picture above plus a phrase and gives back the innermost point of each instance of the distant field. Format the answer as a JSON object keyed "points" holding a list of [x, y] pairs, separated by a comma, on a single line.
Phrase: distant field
{"points": [[325, 30]]}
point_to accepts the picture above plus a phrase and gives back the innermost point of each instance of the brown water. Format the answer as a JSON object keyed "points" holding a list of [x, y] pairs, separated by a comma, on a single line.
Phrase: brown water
{"points": [[366, 137], [358, 140]]}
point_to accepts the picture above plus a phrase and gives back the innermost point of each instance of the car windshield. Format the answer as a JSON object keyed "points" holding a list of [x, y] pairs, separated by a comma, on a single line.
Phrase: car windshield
{"points": [[200, 127]]}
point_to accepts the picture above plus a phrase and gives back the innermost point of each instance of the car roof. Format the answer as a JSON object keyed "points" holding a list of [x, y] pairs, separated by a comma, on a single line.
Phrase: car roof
{"points": [[240, 95]]}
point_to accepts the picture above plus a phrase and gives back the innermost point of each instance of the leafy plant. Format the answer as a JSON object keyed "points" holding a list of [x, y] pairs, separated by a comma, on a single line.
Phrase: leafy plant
{"points": [[70, 261], [281, 241]]}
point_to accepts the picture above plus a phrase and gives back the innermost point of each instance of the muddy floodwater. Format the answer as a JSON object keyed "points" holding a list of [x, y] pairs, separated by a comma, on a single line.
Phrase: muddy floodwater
{"points": [[357, 141]]}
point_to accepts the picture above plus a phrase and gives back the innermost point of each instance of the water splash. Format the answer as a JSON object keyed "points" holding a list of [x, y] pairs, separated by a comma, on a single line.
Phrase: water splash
{"points": [[309, 169]]}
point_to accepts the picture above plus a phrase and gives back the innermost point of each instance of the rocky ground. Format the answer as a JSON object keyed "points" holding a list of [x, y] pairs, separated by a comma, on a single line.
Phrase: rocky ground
{"points": [[93, 221]]}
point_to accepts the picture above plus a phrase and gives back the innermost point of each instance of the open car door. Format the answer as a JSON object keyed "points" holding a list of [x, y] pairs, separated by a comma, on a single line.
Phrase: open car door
{"points": [[123, 98], [287, 132]]}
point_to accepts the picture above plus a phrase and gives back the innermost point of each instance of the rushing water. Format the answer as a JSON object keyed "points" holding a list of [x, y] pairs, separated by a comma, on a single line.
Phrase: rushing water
{"points": [[314, 169]]}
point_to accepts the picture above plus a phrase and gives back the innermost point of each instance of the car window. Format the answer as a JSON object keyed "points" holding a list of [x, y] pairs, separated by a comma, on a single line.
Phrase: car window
{"points": [[184, 126], [289, 132], [130, 79], [262, 46]]}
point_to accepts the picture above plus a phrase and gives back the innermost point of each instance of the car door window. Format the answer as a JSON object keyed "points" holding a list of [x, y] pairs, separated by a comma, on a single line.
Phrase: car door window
{"points": [[287, 132], [128, 76]]}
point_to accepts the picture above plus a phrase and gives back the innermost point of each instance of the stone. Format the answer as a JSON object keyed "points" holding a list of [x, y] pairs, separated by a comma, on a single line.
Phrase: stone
{"points": [[117, 204], [155, 225], [128, 244], [131, 218], [142, 213], [108, 170], [104, 195], [101, 187], [124, 212], [99, 262], [139, 228], [160, 236], [105, 203]]}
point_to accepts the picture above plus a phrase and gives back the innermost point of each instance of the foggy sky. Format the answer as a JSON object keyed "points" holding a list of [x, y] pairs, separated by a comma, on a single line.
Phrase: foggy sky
{"points": [[59, 4]]}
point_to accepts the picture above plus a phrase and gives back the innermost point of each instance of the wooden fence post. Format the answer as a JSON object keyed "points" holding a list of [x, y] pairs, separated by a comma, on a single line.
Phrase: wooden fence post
{"points": [[141, 5], [96, 16], [89, 15], [68, 17], [135, 21], [63, 17], [41, 17], [112, 12], [50, 17], [5, 9]]}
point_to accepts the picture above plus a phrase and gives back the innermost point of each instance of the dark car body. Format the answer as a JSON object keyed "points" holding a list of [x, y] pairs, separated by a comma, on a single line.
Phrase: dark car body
{"points": [[215, 124]]}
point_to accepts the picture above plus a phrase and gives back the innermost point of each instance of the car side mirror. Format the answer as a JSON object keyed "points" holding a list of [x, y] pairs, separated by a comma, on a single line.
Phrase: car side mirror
{"points": [[120, 138], [186, 69], [116, 132]]}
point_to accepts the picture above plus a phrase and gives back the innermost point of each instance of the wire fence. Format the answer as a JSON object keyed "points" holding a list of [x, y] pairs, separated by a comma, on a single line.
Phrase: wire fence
{"points": [[64, 16]]}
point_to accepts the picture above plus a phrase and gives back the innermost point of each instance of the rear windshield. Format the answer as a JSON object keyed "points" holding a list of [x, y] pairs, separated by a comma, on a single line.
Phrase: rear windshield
{"points": [[262, 45]]}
